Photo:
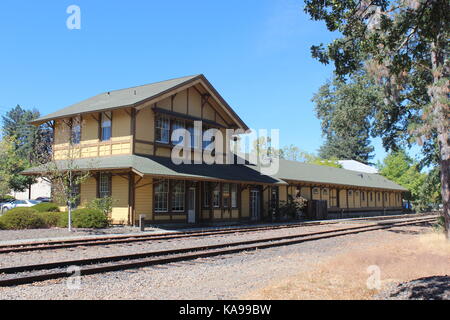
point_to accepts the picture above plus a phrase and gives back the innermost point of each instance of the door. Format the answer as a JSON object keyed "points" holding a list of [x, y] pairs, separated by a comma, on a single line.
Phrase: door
{"points": [[255, 205], [191, 206]]}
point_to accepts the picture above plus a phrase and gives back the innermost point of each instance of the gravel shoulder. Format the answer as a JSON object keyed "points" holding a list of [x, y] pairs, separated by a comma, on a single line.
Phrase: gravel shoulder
{"points": [[244, 275]]}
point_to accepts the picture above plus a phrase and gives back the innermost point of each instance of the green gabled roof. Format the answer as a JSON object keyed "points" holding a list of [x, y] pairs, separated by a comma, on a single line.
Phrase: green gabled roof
{"points": [[118, 98], [163, 167], [305, 172], [131, 97]]}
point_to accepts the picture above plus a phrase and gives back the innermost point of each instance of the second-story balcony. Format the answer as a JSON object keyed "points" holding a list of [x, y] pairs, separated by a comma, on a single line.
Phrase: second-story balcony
{"points": [[94, 148]]}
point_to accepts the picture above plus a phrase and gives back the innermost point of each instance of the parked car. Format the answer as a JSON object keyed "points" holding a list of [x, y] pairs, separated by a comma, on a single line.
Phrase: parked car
{"points": [[44, 199], [18, 204]]}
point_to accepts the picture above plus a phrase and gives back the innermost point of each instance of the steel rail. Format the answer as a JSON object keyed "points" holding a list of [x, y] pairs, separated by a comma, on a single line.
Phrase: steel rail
{"points": [[185, 254], [62, 244]]}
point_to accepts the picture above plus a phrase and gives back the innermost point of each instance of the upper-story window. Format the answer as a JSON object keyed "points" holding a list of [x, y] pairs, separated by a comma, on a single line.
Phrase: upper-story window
{"points": [[162, 126], [178, 125], [76, 131], [194, 138], [208, 139], [106, 122]]}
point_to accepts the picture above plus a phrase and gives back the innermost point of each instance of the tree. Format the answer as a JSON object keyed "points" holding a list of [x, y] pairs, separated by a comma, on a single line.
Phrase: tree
{"points": [[402, 169], [66, 175], [291, 152], [11, 167], [30, 142], [404, 46], [345, 110]]}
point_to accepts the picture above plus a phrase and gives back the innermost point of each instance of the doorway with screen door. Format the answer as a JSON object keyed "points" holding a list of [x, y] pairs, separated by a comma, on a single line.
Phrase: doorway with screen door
{"points": [[255, 205], [192, 216]]}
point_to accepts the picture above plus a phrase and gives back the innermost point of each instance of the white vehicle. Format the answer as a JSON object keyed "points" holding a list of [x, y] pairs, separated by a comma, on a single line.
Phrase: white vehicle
{"points": [[18, 204]]}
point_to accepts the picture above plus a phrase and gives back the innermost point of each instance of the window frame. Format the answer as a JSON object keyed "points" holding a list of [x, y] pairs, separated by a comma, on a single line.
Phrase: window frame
{"points": [[104, 115], [165, 196], [234, 191], [75, 123], [216, 192], [101, 193], [172, 193], [162, 128]]}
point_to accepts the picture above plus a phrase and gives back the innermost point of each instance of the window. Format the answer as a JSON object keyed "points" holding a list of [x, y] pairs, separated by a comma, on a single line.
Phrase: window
{"points": [[385, 197], [379, 196], [194, 139], [234, 203], [226, 195], [316, 191], [162, 196], [350, 193], [176, 125], [76, 131], [325, 192], [178, 196], [216, 196], [162, 127], [206, 195], [105, 185], [363, 196], [106, 126], [208, 140], [371, 196]]}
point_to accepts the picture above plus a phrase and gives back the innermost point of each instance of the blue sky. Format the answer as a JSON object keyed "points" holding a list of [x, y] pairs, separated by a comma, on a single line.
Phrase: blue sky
{"points": [[255, 52]]}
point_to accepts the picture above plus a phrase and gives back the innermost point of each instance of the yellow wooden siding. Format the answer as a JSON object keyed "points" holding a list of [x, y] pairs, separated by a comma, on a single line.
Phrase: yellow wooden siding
{"points": [[144, 198], [90, 146], [145, 124], [119, 193], [88, 191]]}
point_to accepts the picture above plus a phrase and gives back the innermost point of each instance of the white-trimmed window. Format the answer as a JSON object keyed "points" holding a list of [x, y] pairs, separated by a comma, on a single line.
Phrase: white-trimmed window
{"points": [[162, 196], [162, 126], [178, 196], [216, 196], [75, 135], [226, 197], [176, 125], [194, 139], [104, 185], [106, 125], [234, 203]]}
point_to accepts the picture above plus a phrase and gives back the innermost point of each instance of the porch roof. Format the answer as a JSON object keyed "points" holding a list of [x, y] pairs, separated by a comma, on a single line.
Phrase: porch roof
{"points": [[306, 172], [162, 167]]}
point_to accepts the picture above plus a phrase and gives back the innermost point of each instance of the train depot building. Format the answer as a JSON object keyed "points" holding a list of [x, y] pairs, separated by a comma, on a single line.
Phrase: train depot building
{"points": [[124, 139]]}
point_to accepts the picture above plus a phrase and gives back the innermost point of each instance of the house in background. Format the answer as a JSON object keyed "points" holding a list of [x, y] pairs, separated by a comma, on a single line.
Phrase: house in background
{"points": [[123, 138], [41, 189], [357, 166]]}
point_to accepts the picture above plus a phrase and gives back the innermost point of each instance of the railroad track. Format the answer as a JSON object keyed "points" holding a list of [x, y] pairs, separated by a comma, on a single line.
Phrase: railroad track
{"points": [[63, 244], [18, 275]]}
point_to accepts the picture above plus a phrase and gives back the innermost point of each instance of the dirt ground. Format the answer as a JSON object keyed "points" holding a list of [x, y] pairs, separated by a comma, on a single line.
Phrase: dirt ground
{"points": [[354, 274]]}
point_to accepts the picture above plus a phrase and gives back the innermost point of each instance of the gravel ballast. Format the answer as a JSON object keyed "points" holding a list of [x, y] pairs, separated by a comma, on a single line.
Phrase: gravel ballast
{"points": [[225, 277]]}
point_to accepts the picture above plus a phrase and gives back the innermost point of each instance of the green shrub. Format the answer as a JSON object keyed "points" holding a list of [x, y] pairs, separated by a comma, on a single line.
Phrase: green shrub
{"points": [[104, 205], [439, 226], [22, 218], [85, 218], [51, 219], [46, 207]]}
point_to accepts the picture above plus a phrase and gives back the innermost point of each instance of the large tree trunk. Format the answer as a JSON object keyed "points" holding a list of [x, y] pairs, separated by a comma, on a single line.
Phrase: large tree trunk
{"points": [[440, 104], [445, 178]]}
